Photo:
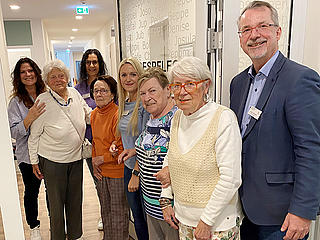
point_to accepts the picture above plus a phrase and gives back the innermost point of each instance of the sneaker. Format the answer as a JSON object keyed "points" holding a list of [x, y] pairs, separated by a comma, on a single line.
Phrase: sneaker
{"points": [[35, 233], [100, 225]]}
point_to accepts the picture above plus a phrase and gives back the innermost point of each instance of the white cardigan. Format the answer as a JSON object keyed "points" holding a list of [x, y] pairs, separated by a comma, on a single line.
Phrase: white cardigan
{"points": [[224, 206], [52, 135]]}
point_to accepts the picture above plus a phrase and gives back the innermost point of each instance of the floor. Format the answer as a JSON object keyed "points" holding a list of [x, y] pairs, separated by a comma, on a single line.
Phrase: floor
{"points": [[90, 211]]}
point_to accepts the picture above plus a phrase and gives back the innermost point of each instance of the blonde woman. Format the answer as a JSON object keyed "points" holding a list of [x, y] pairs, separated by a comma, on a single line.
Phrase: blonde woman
{"points": [[132, 118]]}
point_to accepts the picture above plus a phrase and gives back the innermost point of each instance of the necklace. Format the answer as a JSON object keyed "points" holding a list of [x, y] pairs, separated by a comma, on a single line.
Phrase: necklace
{"points": [[61, 104]]}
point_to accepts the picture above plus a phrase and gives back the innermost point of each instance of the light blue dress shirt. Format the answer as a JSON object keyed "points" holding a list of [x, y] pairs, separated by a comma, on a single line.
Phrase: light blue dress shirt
{"points": [[257, 83], [17, 112]]}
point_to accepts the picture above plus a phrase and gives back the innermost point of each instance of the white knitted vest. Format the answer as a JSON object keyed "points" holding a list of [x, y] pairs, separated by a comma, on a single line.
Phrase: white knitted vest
{"points": [[195, 174]]}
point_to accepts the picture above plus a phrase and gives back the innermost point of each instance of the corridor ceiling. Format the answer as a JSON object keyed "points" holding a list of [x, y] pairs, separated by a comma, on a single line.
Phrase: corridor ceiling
{"points": [[59, 18]]}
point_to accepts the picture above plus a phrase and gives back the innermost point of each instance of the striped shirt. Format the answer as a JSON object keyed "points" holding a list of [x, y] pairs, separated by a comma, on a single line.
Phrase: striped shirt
{"points": [[151, 148]]}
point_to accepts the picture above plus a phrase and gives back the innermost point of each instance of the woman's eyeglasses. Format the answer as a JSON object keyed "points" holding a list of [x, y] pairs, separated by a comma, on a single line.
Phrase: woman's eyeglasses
{"points": [[188, 86], [101, 91], [94, 62]]}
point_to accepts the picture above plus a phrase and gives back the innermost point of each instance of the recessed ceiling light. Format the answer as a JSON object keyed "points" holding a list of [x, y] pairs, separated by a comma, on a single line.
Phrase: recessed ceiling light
{"points": [[75, 29], [14, 7], [78, 17], [70, 42], [72, 37], [69, 46]]}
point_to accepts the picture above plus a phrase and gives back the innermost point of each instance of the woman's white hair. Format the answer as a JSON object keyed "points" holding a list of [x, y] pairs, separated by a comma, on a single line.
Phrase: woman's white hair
{"points": [[194, 68], [191, 67], [54, 64]]}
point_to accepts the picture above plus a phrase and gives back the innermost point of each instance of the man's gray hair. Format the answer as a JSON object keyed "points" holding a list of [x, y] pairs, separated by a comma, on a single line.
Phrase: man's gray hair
{"points": [[257, 4], [54, 64]]}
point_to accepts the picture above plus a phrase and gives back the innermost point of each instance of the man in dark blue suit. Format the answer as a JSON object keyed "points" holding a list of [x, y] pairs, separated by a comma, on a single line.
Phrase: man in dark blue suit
{"points": [[277, 102]]}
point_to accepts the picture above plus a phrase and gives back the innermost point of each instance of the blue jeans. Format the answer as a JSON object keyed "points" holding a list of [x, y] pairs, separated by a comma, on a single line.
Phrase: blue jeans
{"points": [[251, 231], [136, 206]]}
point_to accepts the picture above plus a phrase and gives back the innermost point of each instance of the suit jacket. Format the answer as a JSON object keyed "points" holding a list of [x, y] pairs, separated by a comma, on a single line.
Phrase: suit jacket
{"points": [[281, 150]]}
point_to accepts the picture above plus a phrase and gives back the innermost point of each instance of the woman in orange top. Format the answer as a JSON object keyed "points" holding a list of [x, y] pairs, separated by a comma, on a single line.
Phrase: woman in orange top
{"points": [[110, 185]]}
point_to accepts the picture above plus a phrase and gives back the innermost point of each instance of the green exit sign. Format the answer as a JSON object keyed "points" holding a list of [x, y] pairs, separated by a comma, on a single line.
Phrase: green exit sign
{"points": [[82, 10]]}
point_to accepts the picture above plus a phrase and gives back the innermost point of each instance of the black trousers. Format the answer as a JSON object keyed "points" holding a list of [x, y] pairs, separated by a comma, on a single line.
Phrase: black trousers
{"points": [[31, 192], [64, 187], [89, 163]]}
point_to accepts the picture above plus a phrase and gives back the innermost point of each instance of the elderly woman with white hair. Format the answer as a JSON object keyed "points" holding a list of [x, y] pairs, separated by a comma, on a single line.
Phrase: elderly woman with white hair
{"points": [[55, 146], [204, 159]]}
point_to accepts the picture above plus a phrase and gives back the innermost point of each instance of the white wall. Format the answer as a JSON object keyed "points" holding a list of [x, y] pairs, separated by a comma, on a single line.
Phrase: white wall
{"points": [[311, 56], [9, 198], [304, 46], [99, 41], [105, 43], [14, 54], [230, 49], [200, 48], [77, 56], [48, 47], [110, 46], [140, 20], [4, 61], [38, 50]]}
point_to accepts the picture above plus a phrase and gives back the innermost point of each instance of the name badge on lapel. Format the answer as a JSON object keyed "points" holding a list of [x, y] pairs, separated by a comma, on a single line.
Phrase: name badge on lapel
{"points": [[125, 112], [254, 112], [85, 96]]}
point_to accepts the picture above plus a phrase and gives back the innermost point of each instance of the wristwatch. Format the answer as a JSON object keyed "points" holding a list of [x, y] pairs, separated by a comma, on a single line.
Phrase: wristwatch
{"points": [[136, 172]]}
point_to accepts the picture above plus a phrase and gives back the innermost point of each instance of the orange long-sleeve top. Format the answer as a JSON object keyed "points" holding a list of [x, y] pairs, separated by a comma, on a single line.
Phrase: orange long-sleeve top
{"points": [[104, 128]]}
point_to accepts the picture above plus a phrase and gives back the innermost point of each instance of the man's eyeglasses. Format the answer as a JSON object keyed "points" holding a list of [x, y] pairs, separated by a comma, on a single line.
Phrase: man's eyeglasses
{"points": [[261, 28], [101, 91], [188, 86], [94, 62]]}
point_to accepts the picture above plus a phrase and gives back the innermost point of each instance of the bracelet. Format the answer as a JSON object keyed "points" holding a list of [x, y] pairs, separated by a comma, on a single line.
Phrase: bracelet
{"points": [[164, 202]]}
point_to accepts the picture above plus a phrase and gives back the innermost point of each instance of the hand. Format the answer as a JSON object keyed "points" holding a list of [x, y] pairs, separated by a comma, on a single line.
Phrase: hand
{"points": [[133, 183], [297, 227], [96, 162], [114, 150], [164, 177], [169, 217], [126, 154], [203, 231], [34, 112], [36, 171]]}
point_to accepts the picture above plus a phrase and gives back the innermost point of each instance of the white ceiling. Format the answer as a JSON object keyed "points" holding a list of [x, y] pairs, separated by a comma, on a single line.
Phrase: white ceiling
{"points": [[59, 18]]}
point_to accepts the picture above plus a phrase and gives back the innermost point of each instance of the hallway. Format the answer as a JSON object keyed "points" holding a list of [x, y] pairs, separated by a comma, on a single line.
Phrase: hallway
{"points": [[90, 210]]}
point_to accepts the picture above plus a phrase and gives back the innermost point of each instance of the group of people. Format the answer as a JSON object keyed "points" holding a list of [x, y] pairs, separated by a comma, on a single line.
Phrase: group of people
{"points": [[187, 167]]}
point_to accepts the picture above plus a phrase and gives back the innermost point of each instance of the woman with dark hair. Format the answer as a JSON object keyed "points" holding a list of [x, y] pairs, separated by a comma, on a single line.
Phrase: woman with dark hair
{"points": [[110, 184], [91, 66], [22, 111]]}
